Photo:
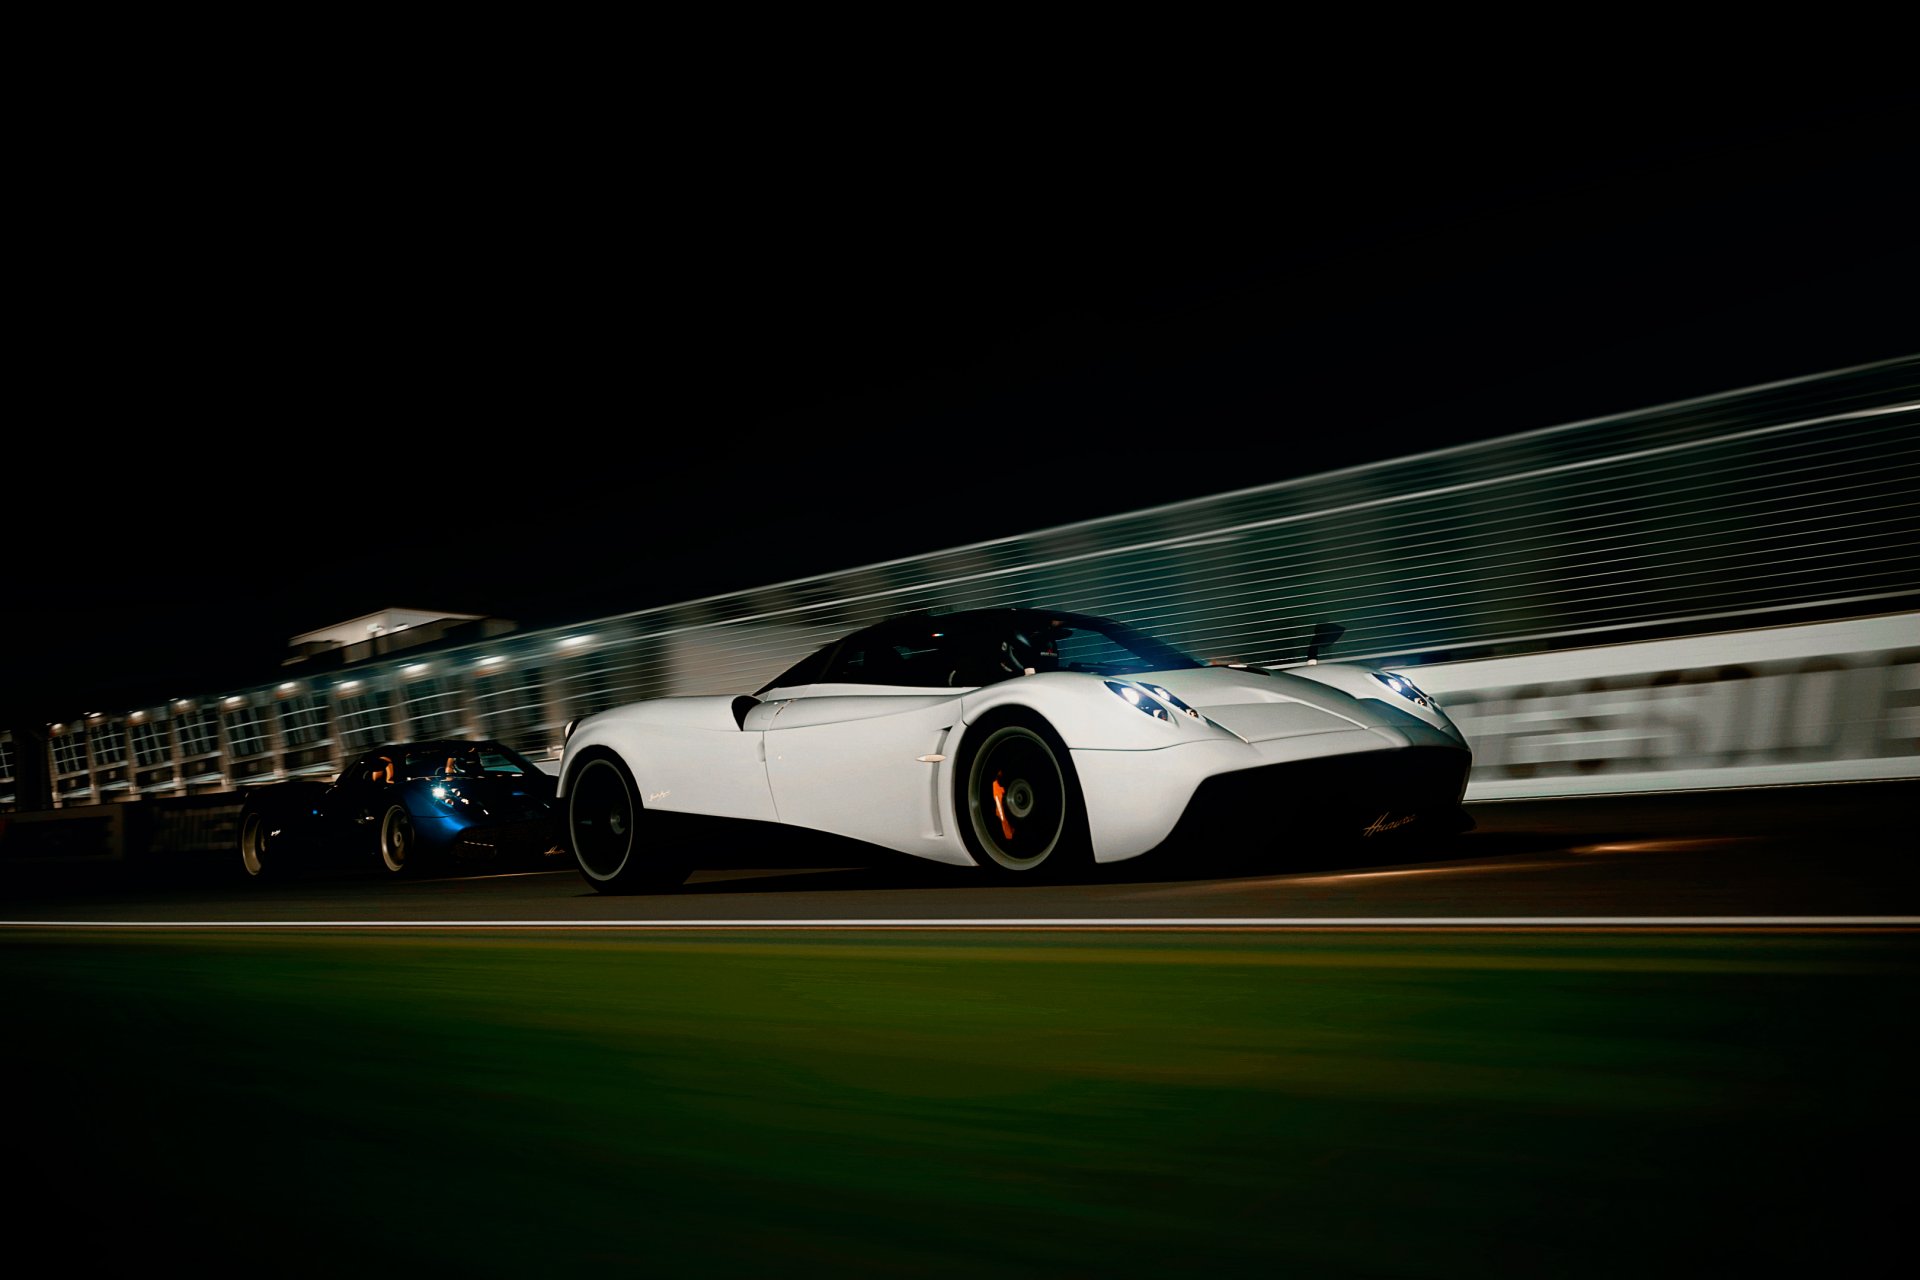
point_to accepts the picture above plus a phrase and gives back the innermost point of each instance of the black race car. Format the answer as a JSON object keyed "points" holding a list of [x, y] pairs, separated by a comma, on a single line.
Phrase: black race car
{"points": [[403, 807]]}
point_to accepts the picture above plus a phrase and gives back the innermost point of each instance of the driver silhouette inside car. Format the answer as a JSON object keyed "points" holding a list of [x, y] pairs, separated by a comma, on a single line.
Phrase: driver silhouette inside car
{"points": [[984, 661], [1030, 654], [469, 765]]}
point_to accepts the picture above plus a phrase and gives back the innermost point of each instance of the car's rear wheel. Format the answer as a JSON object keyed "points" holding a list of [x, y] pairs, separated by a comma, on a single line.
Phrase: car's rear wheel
{"points": [[259, 860], [398, 842], [614, 843], [1021, 814]]}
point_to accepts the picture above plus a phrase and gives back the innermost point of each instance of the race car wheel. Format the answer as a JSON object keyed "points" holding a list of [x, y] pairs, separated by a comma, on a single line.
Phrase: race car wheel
{"points": [[614, 843], [1020, 811], [258, 858], [397, 841]]}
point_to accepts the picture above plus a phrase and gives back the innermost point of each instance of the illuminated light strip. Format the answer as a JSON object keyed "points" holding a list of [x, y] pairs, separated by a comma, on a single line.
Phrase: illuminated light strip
{"points": [[1038, 922]]}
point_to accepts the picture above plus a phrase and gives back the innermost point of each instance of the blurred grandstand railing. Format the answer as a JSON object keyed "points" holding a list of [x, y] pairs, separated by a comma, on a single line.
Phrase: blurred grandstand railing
{"points": [[1792, 503]]}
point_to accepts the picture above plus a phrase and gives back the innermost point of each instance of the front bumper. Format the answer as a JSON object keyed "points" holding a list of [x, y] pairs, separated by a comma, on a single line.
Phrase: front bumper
{"points": [[1311, 787], [528, 838]]}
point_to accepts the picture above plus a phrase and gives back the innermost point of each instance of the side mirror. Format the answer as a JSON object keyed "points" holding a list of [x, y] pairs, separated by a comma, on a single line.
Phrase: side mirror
{"points": [[1324, 635]]}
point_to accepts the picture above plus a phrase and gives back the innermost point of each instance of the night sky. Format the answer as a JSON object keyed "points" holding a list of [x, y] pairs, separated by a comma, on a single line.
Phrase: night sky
{"points": [[513, 375]]}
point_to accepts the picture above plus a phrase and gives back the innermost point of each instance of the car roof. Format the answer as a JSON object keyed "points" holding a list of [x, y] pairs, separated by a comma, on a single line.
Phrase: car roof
{"points": [[969, 617], [426, 744]]}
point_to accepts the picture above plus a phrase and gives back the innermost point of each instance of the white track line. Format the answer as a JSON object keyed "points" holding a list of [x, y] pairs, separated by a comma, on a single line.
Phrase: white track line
{"points": [[1118, 922]]}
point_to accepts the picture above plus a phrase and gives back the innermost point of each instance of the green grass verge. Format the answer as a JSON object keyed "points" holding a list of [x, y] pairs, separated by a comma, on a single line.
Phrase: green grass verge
{"points": [[960, 1103]]}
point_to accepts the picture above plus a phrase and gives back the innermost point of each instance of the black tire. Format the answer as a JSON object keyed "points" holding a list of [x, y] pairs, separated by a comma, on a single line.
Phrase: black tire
{"points": [[260, 855], [399, 846], [1018, 800], [617, 847]]}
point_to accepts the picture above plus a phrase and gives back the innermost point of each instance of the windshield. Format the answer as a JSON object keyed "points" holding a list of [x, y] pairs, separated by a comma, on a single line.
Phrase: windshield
{"points": [[460, 760], [980, 647], [1099, 646]]}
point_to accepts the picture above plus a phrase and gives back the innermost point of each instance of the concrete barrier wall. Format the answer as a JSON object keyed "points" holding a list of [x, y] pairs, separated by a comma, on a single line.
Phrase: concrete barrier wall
{"points": [[123, 831], [97, 833], [1822, 702]]}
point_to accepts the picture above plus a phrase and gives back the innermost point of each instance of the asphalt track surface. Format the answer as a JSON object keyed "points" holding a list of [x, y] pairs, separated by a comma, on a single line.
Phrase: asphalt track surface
{"points": [[1820, 856]]}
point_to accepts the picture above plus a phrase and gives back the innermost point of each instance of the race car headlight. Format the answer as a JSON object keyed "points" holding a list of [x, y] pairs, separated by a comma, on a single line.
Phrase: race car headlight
{"points": [[1139, 700], [1172, 701], [1405, 688]]}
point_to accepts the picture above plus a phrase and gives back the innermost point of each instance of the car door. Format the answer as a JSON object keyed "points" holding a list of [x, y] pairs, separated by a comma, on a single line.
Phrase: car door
{"points": [[860, 752], [358, 799]]}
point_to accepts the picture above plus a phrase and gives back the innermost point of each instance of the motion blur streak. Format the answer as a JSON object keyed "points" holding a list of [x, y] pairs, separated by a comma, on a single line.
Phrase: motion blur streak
{"points": [[1421, 871], [1659, 846]]}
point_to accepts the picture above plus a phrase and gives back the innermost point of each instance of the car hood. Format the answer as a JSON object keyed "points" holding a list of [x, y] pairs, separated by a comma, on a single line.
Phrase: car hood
{"points": [[1262, 705], [493, 798]]}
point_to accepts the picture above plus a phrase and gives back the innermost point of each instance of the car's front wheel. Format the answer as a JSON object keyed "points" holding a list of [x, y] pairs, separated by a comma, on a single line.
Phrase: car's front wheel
{"points": [[615, 843], [1021, 814]]}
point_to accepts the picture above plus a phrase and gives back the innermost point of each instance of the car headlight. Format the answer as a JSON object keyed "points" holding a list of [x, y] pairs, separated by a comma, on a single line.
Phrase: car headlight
{"points": [[1140, 700], [1406, 689], [1170, 699]]}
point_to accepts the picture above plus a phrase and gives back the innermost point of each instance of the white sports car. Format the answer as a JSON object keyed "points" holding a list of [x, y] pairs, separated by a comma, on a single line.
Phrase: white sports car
{"points": [[1021, 741]]}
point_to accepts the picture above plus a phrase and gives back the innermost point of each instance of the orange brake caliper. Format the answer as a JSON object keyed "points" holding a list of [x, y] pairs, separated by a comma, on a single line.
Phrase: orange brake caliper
{"points": [[999, 806]]}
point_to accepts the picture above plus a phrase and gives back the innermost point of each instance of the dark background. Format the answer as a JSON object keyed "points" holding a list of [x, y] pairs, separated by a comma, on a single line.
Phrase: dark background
{"points": [[490, 365]]}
